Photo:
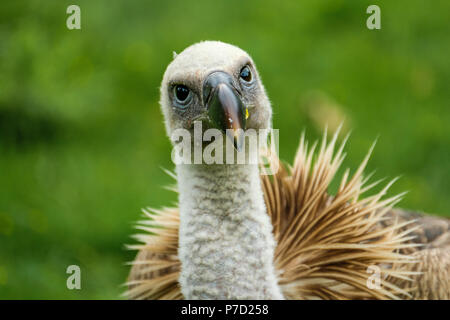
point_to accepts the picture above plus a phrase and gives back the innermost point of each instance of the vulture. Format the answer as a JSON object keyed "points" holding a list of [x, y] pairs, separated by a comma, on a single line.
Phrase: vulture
{"points": [[238, 233]]}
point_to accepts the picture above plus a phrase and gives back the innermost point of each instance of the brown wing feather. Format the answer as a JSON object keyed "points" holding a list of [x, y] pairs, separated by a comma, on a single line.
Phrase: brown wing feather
{"points": [[324, 243], [432, 231], [432, 280], [154, 272], [433, 254]]}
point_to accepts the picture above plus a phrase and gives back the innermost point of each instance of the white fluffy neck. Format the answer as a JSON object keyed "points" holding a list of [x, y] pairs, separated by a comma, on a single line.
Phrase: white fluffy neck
{"points": [[226, 244]]}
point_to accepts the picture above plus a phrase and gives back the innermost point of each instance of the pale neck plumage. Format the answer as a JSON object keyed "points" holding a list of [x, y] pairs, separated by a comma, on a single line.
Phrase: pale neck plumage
{"points": [[226, 244]]}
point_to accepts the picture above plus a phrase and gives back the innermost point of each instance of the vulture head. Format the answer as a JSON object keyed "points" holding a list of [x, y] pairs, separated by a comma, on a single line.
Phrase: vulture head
{"points": [[218, 84]]}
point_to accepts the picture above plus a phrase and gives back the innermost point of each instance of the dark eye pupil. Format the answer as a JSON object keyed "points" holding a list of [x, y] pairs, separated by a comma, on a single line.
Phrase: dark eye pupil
{"points": [[246, 74], [182, 92]]}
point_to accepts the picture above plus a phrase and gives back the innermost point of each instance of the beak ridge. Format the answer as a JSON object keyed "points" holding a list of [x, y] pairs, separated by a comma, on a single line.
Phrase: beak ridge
{"points": [[224, 107]]}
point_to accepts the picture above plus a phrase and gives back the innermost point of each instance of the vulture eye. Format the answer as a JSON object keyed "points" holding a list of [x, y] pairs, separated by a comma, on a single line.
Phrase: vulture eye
{"points": [[245, 74], [182, 94]]}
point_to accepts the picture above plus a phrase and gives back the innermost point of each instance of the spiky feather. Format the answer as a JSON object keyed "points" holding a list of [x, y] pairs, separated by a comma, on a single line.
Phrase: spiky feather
{"points": [[325, 243]]}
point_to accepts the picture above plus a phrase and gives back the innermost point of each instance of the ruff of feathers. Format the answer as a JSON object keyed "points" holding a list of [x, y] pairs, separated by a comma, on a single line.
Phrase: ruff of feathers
{"points": [[325, 243]]}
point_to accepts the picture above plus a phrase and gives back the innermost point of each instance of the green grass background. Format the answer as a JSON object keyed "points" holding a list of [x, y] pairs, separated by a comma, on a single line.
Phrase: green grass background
{"points": [[82, 141]]}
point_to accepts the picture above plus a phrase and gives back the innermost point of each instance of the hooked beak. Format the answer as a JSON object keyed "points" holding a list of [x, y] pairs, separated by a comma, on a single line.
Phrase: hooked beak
{"points": [[225, 109]]}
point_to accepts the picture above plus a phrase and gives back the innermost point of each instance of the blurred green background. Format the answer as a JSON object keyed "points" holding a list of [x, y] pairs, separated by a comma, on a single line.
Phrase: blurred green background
{"points": [[82, 141]]}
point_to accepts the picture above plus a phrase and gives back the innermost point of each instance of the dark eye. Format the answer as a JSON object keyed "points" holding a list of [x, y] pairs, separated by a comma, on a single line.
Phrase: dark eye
{"points": [[245, 74], [182, 93]]}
